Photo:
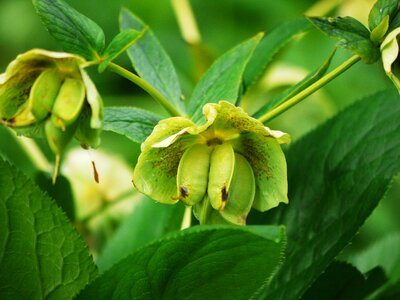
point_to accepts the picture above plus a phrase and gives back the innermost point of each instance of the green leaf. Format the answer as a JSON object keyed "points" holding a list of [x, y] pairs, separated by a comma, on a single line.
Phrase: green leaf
{"points": [[380, 30], [151, 61], [75, 32], [41, 255], [337, 175], [134, 123], [297, 88], [135, 231], [269, 45], [120, 43], [198, 263], [223, 79], [380, 10], [343, 281], [352, 35]]}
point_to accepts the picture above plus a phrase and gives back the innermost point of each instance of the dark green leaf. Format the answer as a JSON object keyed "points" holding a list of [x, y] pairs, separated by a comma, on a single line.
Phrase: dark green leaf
{"points": [[75, 32], [223, 79], [151, 61], [380, 10], [352, 35], [120, 43], [60, 191], [337, 175], [269, 45], [41, 255], [136, 231], [343, 281], [134, 123], [297, 88], [203, 262]]}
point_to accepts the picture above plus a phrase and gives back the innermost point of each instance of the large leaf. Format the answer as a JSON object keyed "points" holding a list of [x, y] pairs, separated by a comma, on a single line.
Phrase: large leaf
{"points": [[223, 79], [269, 45], [352, 35], [134, 123], [151, 61], [74, 31], [204, 262], [41, 255], [135, 231], [380, 10], [337, 175]]}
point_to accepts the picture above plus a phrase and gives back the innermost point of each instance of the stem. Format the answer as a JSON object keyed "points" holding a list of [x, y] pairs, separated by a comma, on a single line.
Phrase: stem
{"points": [[309, 90], [145, 86], [186, 21]]}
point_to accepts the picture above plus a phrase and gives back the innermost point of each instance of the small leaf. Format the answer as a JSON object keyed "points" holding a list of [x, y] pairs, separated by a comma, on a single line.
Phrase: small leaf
{"points": [[151, 61], [379, 31], [41, 255], [135, 231], [223, 79], [198, 263], [134, 123], [297, 88], [337, 175], [120, 43], [343, 281], [380, 10], [352, 35], [269, 45], [75, 32]]}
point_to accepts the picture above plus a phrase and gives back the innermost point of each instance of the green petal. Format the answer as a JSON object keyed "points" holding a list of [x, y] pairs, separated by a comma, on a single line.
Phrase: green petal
{"points": [[390, 50], [94, 100], [269, 166]]}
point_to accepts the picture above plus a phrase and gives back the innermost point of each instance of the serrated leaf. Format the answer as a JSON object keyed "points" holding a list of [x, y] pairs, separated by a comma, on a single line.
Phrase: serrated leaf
{"points": [[135, 231], [195, 264], [269, 45], [41, 255], [134, 123], [297, 88], [151, 61], [337, 175], [380, 10], [352, 35], [223, 79], [119, 44], [75, 32], [343, 281]]}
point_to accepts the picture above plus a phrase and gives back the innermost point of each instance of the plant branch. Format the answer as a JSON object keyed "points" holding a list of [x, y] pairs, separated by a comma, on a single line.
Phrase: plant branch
{"points": [[309, 90], [145, 86]]}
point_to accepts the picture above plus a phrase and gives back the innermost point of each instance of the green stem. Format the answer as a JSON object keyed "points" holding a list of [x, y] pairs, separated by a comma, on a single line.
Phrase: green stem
{"points": [[145, 86], [309, 90]]}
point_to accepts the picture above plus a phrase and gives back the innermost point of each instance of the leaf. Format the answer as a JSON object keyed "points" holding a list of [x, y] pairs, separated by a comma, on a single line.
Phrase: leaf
{"points": [[198, 263], [135, 231], [297, 88], [352, 35], [151, 61], [223, 79], [75, 32], [134, 123], [337, 175], [41, 255], [380, 10], [343, 281], [269, 45], [120, 43]]}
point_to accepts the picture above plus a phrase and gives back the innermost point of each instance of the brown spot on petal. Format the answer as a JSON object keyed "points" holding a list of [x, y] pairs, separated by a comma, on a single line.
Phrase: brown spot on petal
{"points": [[184, 191], [224, 194]]}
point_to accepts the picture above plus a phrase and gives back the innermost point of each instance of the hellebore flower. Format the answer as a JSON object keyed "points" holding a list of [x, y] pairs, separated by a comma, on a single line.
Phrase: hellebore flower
{"points": [[222, 168], [390, 53], [51, 92]]}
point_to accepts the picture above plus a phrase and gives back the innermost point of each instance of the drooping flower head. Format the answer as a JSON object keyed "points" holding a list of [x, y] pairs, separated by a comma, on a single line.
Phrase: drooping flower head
{"points": [[223, 167], [50, 92]]}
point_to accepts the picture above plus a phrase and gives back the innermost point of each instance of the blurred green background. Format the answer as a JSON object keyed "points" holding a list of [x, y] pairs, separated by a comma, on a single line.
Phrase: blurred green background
{"points": [[222, 25]]}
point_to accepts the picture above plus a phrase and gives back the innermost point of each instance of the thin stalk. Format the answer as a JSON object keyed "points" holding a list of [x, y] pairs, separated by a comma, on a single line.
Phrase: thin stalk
{"points": [[145, 86], [186, 21], [309, 90]]}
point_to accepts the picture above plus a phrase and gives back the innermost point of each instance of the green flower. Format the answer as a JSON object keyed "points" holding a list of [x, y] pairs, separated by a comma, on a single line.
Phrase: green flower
{"points": [[49, 93], [223, 168], [390, 53]]}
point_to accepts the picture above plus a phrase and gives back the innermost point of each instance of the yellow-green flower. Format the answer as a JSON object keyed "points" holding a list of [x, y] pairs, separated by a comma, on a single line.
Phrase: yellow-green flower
{"points": [[390, 53], [223, 167], [51, 92]]}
